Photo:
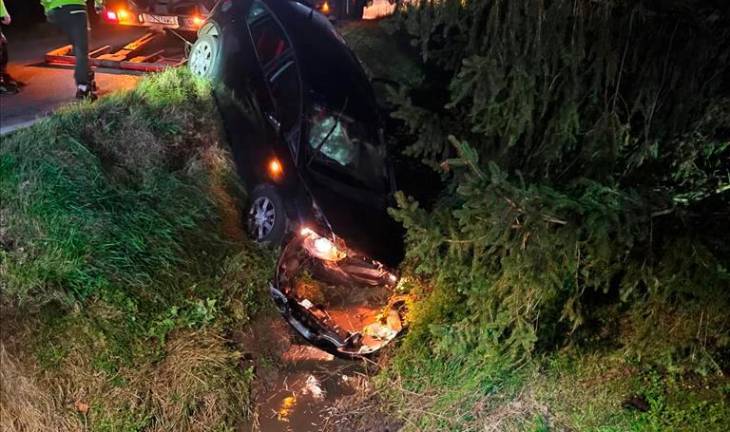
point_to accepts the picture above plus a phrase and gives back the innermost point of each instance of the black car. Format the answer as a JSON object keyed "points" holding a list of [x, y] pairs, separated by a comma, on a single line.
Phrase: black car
{"points": [[307, 138]]}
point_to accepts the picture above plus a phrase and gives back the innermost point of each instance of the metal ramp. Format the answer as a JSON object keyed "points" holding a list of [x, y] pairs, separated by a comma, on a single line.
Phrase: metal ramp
{"points": [[151, 52]]}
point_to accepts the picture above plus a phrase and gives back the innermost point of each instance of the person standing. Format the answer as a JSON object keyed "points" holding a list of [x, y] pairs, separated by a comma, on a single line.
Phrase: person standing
{"points": [[70, 16], [7, 84]]}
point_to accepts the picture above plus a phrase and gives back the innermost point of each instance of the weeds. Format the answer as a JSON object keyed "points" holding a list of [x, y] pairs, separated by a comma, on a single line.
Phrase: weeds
{"points": [[124, 262]]}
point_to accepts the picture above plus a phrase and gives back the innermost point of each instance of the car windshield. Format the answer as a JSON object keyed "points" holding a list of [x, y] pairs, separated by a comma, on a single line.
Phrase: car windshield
{"points": [[347, 147]]}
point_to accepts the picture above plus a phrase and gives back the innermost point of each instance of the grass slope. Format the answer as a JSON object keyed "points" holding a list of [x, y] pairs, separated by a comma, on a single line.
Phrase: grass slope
{"points": [[123, 266]]}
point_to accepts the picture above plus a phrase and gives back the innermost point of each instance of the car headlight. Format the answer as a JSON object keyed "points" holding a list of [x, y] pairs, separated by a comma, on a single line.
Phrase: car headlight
{"points": [[322, 247]]}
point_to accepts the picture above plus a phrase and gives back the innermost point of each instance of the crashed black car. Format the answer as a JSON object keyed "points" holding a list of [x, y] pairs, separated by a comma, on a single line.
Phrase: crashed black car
{"points": [[307, 139]]}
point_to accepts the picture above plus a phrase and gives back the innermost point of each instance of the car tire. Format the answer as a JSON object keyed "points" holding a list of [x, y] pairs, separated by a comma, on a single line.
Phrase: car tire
{"points": [[267, 220], [205, 59]]}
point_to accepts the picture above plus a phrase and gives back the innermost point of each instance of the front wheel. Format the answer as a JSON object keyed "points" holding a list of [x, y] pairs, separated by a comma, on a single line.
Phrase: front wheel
{"points": [[205, 59], [267, 220]]}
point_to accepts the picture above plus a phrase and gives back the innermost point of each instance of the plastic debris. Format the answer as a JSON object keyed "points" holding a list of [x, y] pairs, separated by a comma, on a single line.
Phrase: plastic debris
{"points": [[313, 387]]}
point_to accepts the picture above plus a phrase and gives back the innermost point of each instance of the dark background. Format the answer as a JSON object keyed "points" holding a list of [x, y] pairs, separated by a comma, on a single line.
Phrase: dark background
{"points": [[25, 12], [29, 12]]}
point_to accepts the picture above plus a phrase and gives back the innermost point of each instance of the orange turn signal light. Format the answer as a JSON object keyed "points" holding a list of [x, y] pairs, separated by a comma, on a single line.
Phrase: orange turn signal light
{"points": [[197, 21], [275, 168]]}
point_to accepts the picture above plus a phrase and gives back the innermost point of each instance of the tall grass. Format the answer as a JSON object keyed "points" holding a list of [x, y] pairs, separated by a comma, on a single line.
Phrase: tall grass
{"points": [[106, 194], [123, 265]]}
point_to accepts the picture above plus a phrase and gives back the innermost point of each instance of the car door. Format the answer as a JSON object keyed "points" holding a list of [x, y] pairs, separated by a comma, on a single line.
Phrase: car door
{"points": [[278, 63], [348, 177]]}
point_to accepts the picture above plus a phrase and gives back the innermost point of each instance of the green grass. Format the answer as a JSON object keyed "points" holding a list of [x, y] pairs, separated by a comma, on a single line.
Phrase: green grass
{"points": [[110, 194], [582, 387], [588, 391], [123, 265]]}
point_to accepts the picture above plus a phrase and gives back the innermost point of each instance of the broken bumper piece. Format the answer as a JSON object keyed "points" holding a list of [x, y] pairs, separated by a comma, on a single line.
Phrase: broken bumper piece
{"points": [[336, 298]]}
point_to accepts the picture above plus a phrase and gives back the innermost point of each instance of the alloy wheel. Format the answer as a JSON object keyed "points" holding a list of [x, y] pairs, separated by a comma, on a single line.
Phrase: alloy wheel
{"points": [[261, 218], [201, 59]]}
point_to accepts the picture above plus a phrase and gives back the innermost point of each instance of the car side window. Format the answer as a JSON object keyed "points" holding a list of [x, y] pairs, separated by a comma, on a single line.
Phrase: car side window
{"points": [[276, 59], [285, 90], [269, 38]]}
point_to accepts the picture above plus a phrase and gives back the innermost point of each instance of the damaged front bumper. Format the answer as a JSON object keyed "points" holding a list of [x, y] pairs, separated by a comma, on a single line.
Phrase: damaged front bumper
{"points": [[336, 298]]}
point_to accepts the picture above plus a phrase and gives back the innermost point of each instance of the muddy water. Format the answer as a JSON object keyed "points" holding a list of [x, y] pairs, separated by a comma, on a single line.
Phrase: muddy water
{"points": [[296, 384], [305, 389]]}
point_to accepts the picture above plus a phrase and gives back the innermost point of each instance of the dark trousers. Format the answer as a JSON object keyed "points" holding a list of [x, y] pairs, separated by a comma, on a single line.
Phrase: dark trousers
{"points": [[3, 54], [73, 21]]}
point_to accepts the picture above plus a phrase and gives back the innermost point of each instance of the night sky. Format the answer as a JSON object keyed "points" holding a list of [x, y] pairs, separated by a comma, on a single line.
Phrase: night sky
{"points": [[26, 12]]}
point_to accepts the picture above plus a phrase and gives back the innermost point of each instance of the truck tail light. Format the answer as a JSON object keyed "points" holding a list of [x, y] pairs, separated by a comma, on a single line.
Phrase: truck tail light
{"points": [[111, 16]]}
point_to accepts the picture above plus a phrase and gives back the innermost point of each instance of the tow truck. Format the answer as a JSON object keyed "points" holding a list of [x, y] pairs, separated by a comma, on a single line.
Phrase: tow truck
{"points": [[173, 27], [176, 15]]}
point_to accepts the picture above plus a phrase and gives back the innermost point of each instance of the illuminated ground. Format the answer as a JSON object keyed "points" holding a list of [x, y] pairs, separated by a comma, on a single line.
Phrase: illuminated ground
{"points": [[49, 87]]}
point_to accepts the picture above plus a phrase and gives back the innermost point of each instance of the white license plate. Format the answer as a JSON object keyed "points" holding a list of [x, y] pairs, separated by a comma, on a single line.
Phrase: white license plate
{"points": [[160, 19]]}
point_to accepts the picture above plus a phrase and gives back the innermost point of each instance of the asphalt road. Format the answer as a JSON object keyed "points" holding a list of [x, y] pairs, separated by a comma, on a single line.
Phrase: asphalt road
{"points": [[47, 88]]}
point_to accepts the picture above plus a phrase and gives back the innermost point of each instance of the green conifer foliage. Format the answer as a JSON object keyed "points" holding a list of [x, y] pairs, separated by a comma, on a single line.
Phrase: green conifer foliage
{"points": [[588, 143]]}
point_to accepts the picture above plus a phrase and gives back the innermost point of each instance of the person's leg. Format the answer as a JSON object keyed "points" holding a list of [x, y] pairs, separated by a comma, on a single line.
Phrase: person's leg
{"points": [[3, 55], [79, 35], [7, 86], [73, 22]]}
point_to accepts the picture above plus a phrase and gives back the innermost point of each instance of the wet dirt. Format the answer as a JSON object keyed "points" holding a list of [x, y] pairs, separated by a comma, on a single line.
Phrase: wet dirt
{"points": [[297, 385], [301, 396]]}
